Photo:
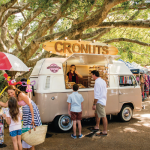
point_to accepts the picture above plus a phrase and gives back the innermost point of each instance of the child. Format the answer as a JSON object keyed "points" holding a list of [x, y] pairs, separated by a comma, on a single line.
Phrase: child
{"points": [[75, 105], [13, 117]]}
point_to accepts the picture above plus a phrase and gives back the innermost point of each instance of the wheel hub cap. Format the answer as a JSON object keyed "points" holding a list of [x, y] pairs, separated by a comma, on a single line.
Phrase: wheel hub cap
{"points": [[65, 123], [126, 113]]}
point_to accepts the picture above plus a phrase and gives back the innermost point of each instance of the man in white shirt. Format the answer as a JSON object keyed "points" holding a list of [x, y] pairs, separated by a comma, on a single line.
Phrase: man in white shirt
{"points": [[100, 97]]}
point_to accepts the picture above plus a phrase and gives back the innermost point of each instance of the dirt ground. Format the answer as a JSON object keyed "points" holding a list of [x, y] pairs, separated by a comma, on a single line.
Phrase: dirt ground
{"points": [[121, 136]]}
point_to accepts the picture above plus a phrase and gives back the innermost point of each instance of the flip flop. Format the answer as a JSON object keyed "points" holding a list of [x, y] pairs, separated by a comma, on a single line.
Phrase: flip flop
{"points": [[101, 134], [93, 129]]}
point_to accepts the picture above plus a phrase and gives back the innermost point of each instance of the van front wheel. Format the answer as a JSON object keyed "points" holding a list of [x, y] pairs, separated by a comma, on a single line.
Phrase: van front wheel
{"points": [[126, 113], [63, 123]]}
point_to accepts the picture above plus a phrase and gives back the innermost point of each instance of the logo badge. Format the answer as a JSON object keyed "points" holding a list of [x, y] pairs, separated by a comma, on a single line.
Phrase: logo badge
{"points": [[54, 68]]}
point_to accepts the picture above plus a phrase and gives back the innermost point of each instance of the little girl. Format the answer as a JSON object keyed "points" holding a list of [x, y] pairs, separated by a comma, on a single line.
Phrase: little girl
{"points": [[13, 117]]}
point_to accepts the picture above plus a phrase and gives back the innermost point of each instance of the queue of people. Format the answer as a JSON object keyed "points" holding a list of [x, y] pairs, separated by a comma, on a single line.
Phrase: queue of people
{"points": [[31, 116], [75, 105]]}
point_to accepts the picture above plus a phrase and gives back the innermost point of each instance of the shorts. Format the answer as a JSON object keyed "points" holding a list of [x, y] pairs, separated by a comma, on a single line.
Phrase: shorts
{"points": [[15, 133], [100, 110], [76, 116]]}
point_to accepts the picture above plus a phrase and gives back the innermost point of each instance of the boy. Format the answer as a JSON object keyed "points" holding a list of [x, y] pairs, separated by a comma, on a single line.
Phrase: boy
{"points": [[75, 105]]}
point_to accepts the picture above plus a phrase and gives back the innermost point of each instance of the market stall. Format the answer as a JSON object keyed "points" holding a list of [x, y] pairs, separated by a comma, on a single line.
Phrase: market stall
{"points": [[55, 77]]}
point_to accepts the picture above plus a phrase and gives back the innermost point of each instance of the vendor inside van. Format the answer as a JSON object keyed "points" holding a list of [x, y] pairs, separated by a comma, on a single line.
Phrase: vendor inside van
{"points": [[73, 75]]}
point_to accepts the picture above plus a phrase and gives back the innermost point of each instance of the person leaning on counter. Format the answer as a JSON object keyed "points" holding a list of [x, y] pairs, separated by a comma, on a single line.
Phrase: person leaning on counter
{"points": [[72, 75]]}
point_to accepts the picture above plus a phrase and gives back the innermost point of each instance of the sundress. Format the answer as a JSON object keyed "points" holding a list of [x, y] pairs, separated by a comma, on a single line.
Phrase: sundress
{"points": [[27, 119]]}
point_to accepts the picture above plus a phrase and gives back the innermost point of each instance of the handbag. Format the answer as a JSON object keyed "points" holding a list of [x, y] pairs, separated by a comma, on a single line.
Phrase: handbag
{"points": [[35, 136]]}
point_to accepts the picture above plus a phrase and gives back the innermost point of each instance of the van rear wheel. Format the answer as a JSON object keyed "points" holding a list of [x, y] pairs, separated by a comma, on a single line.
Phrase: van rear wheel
{"points": [[63, 123], [126, 113]]}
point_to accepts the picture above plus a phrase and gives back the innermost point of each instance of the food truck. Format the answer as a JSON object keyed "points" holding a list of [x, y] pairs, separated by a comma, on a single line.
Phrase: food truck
{"points": [[52, 89]]}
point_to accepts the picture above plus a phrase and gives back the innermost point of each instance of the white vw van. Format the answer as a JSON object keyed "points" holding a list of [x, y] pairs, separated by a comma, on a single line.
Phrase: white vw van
{"points": [[51, 91]]}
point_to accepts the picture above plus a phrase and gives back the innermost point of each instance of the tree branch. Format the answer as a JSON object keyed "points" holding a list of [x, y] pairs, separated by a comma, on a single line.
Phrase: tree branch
{"points": [[88, 35], [106, 30], [48, 37], [29, 19], [32, 62], [12, 12], [93, 22], [24, 35], [139, 7], [3, 48], [128, 24], [35, 31], [24, 25], [55, 18], [80, 19], [128, 40], [5, 7]]}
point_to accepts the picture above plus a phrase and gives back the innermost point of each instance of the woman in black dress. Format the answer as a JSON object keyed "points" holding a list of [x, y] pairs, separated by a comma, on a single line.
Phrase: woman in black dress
{"points": [[72, 75]]}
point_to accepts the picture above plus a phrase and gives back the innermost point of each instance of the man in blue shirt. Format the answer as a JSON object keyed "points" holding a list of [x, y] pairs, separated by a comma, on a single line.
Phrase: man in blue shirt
{"points": [[75, 105]]}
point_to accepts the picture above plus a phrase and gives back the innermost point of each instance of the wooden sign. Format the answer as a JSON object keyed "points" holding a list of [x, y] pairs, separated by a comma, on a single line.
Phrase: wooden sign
{"points": [[74, 46]]}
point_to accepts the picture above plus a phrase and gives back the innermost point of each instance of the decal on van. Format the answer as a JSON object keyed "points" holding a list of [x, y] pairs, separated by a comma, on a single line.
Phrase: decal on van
{"points": [[54, 68]]}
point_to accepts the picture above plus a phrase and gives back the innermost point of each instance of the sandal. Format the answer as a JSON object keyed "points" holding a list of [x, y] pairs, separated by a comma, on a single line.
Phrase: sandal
{"points": [[101, 134], [93, 129]]}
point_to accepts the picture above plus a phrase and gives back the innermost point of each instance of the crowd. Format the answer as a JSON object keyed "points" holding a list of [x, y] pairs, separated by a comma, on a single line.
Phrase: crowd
{"points": [[31, 116]]}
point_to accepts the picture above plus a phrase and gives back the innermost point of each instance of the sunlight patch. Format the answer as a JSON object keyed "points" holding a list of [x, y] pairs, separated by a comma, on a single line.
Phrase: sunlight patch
{"points": [[130, 130], [146, 116]]}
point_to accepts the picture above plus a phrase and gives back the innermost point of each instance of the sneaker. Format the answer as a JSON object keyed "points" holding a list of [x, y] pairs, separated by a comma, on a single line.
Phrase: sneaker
{"points": [[74, 137], [80, 136]]}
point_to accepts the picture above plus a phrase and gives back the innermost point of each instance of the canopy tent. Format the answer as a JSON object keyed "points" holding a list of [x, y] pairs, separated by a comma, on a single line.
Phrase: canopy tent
{"points": [[145, 70], [135, 69]]}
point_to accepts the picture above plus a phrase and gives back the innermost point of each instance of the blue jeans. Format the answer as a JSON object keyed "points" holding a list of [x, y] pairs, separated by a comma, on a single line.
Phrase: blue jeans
{"points": [[15, 133]]}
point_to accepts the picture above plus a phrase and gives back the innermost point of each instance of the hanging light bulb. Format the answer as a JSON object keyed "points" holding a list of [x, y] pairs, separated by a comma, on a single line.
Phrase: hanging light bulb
{"points": [[65, 38], [93, 41]]}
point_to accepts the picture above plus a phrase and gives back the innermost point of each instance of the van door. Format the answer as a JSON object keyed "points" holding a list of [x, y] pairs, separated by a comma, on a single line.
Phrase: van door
{"points": [[129, 90]]}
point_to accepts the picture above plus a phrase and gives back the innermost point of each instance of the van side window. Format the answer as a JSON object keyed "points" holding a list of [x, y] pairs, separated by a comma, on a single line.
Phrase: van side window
{"points": [[47, 84], [127, 81]]}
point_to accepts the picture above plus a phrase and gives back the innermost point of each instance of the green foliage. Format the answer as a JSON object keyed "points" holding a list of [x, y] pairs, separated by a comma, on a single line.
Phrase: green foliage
{"points": [[4, 2], [78, 9]]}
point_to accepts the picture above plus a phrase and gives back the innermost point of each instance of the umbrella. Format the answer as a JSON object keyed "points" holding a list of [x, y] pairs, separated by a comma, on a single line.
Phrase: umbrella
{"points": [[11, 63]]}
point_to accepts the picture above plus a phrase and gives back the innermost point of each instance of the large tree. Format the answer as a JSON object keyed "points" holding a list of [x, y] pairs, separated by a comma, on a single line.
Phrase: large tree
{"points": [[26, 24]]}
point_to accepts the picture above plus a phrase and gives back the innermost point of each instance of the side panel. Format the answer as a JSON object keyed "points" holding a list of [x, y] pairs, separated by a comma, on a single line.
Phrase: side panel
{"points": [[111, 105], [131, 94], [112, 101], [50, 108]]}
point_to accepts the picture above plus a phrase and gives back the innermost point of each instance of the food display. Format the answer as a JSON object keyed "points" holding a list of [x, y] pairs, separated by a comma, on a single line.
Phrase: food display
{"points": [[69, 85], [81, 86], [103, 72]]}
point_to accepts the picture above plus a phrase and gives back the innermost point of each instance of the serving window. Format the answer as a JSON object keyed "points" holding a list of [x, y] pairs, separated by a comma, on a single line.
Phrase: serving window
{"points": [[86, 81]]}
